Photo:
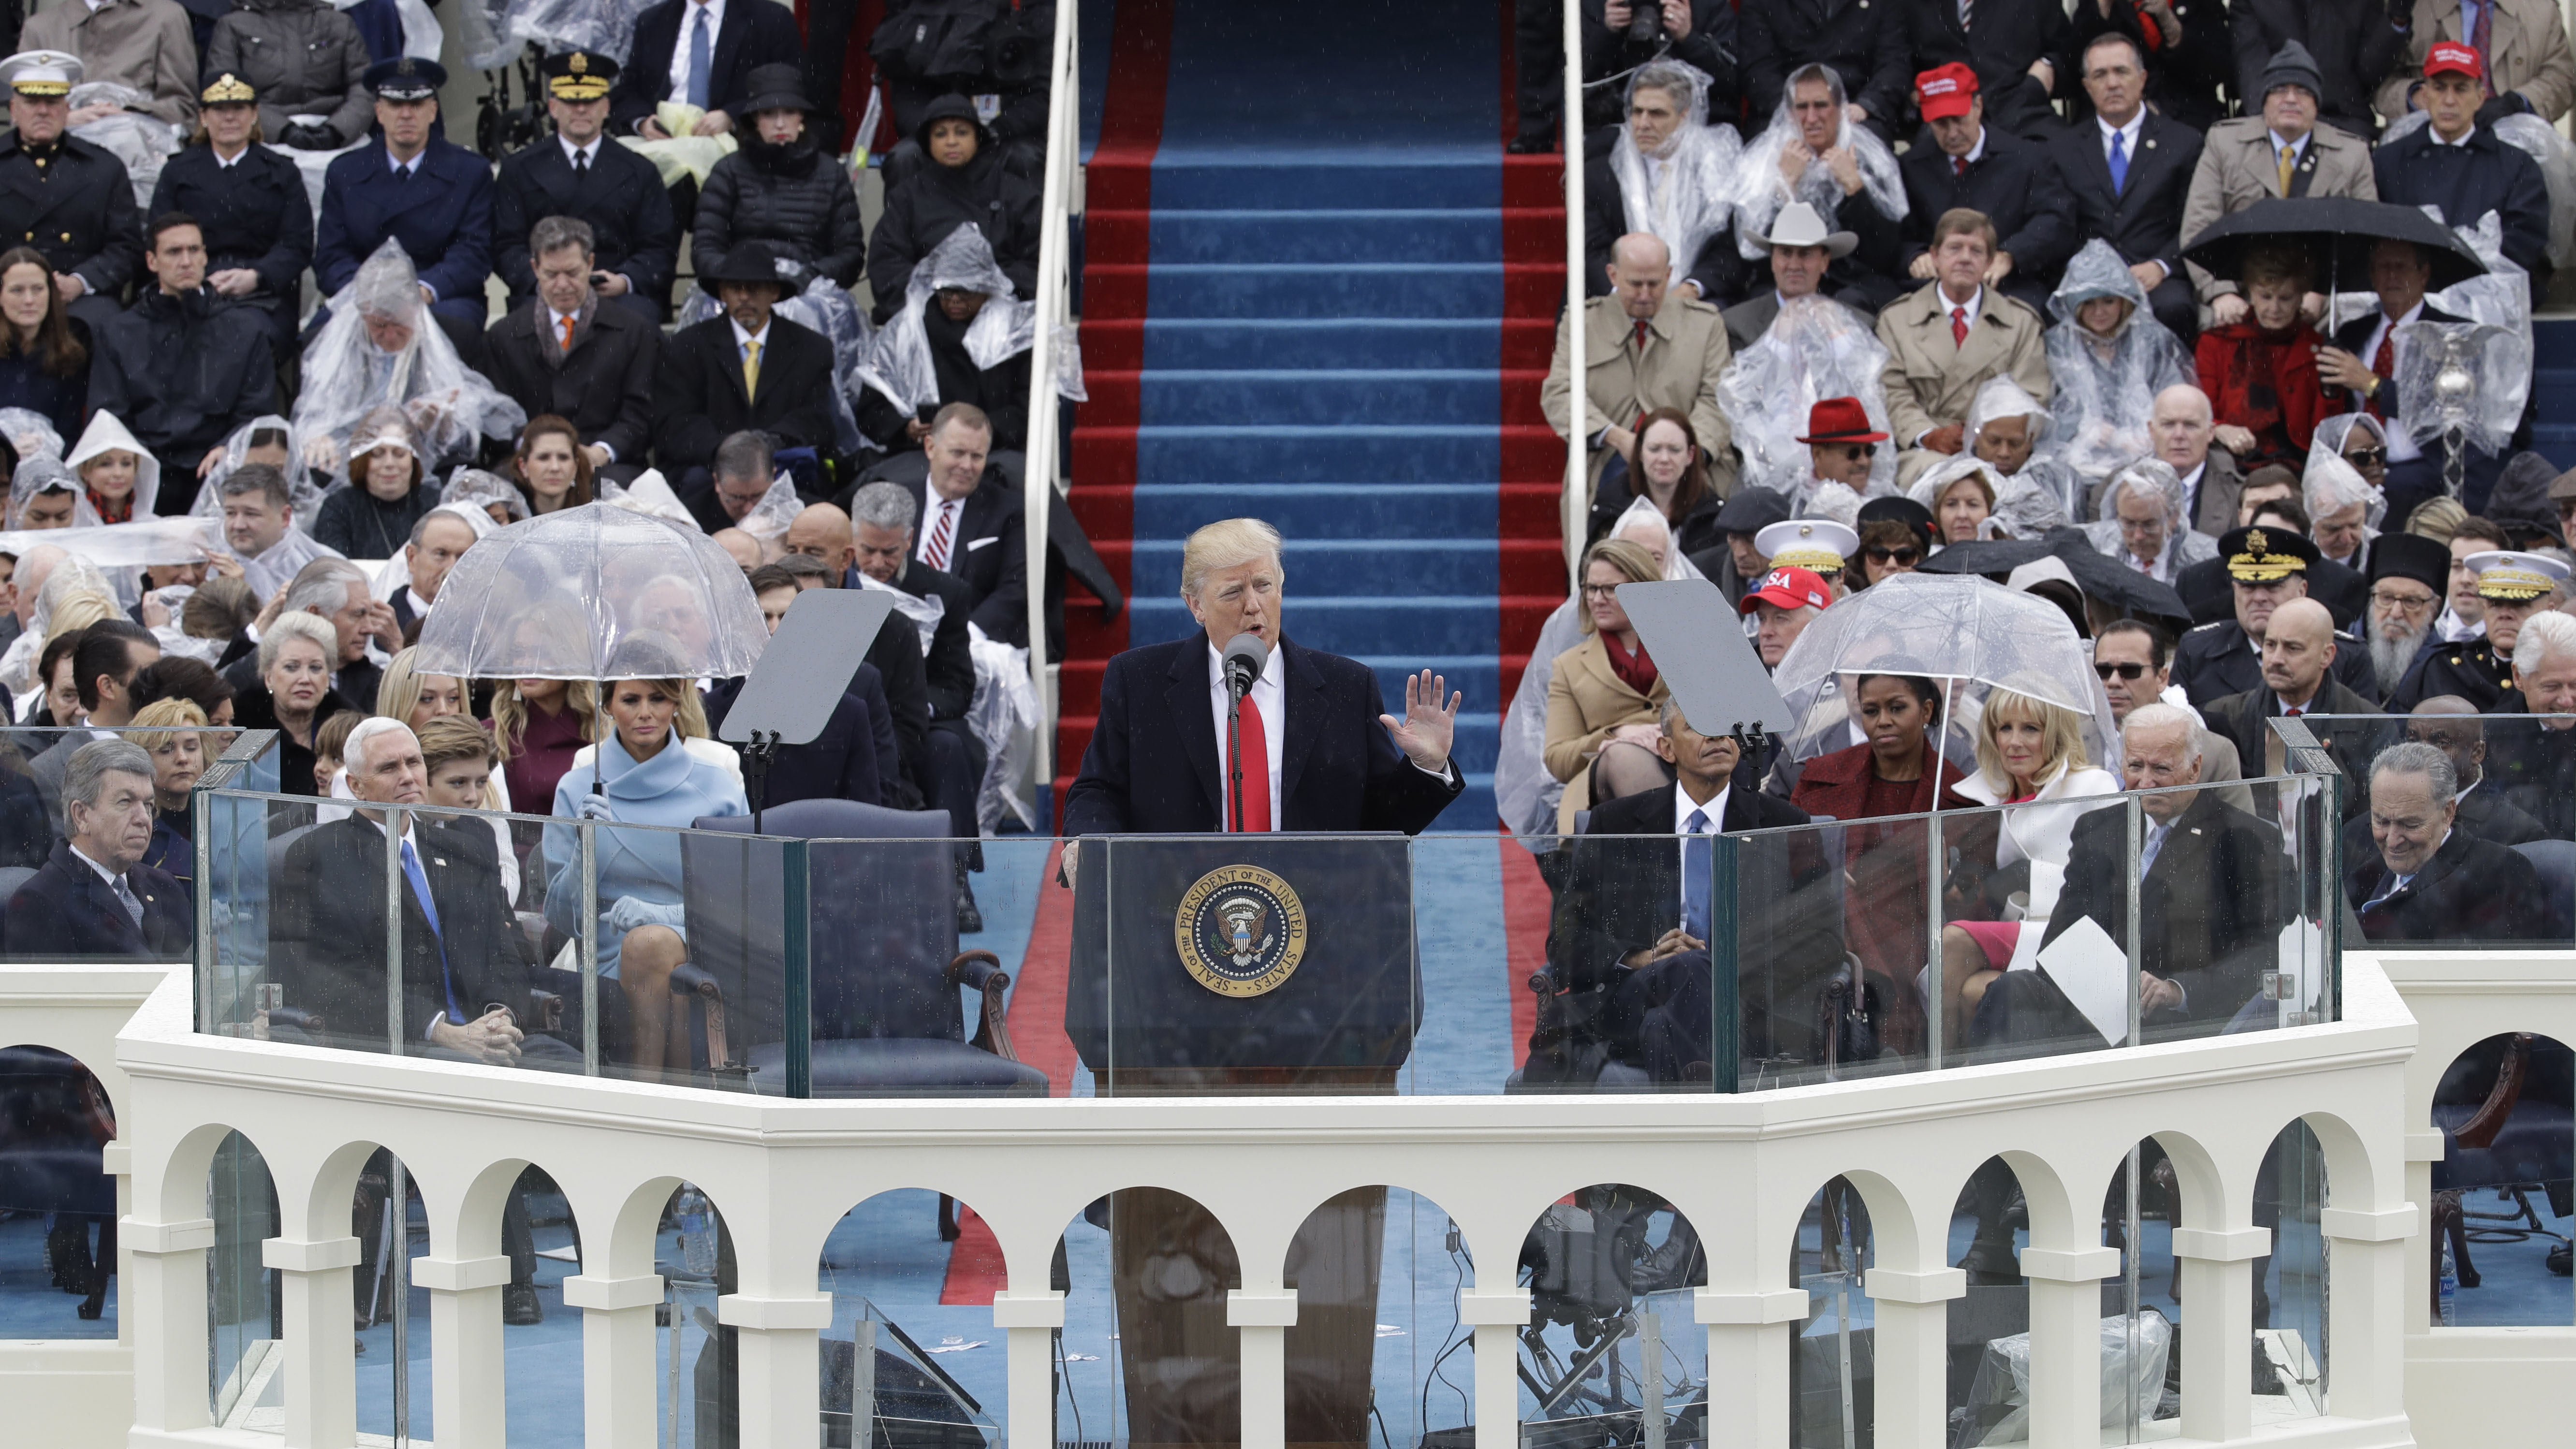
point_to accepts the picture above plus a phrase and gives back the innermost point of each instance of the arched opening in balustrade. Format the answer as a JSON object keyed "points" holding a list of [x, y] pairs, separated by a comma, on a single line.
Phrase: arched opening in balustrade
{"points": [[245, 1314], [1146, 1355], [1613, 1352], [911, 1353], [57, 1207], [1378, 1346], [1833, 1351], [541, 1338], [1988, 1327], [697, 1369], [2502, 1214], [391, 1306], [2152, 1191], [2289, 1284]]}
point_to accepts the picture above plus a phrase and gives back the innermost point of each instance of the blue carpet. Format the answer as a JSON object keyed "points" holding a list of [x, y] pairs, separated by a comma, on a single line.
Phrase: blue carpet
{"points": [[30, 1305]]}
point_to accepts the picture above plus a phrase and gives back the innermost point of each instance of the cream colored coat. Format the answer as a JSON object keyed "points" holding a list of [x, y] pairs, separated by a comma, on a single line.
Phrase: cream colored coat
{"points": [[2530, 55], [2238, 168], [1685, 353], [1931, 380], [145, 44]]}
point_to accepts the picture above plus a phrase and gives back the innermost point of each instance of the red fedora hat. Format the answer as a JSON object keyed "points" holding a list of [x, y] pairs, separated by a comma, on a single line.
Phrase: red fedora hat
{"points": [[1840, 420]]}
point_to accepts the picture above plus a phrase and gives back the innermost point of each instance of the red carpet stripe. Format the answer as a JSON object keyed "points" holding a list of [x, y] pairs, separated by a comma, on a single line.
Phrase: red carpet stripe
{"points": [[975, 1270], [1037, 997]]}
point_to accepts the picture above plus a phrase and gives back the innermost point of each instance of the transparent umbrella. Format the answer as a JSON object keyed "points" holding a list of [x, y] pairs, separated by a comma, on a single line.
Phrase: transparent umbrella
{"points": [[1976, 635]]}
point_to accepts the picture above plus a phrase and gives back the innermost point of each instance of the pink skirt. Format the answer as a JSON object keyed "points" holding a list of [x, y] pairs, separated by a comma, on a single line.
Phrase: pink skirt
{"points": [[1995, 938]]}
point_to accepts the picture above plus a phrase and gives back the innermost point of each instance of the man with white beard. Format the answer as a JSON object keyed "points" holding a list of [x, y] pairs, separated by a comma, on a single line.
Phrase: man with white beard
{"points": [[2408, 573]]}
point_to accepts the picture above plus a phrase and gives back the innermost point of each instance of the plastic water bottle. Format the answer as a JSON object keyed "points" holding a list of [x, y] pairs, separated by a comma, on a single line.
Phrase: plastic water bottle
{"points": [[697, 1232], [2449, 1306]]}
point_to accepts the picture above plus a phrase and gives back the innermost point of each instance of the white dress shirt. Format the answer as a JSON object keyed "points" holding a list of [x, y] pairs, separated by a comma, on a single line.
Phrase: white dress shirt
{"points": [[2191, 491], [715, 13], [116, 885], [580, 156], [1271, 700], [2401, 448]]}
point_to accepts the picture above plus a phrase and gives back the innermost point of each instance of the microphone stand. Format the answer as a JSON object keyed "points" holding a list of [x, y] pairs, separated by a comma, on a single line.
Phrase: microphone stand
{"points": [[1234, 750]]}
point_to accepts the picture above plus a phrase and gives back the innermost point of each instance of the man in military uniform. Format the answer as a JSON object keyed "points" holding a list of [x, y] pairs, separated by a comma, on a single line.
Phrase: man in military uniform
{"points": [[579, 173], [63, 196], [2514, 586], [1819, 545], [2266, 568], [430, 194]]}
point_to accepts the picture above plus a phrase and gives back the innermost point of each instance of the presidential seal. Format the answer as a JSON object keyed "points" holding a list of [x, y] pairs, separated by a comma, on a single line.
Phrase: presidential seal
{"points": [[1241, 931]]}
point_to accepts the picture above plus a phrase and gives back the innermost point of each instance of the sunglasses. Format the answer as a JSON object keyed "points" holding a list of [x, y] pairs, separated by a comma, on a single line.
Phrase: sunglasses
{"points": [[2367, 457], [2132, 670], [1905, 556]]}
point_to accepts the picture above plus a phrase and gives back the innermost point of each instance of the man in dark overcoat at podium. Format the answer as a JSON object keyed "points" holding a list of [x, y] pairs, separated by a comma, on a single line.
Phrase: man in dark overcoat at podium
{"points": [[1319, 754]]}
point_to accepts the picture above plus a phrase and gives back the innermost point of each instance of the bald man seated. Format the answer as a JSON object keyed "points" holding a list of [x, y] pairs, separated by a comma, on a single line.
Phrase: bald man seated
{"points": [[1645, 346], [2299, 651]]}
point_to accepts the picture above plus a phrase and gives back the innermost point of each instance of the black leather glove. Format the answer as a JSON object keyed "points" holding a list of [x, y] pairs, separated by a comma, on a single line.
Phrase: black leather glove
{"points": [[307, 136], [2506, 103]]}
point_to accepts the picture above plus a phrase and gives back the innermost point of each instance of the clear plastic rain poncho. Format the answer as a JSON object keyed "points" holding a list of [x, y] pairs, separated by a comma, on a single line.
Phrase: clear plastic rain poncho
{"points": [[651, 495], [2470, 376], [1760, 189], [106, 434], [2133, 1380], [2102, 393], [1953, 627], [1834, 500], [144, 142], [604, 26], [1004, 717], [595, 592], [30, 433], [2001, 397], [472, 487], [1692, 199], [823, 307], [47, 473], [898, 364], [1816, 348], [2153, 478], [2023, 509], [2539, 140], [2330, 484], [395, 572], [302, 494], [346, 374], [768, 519], [73, 575]]}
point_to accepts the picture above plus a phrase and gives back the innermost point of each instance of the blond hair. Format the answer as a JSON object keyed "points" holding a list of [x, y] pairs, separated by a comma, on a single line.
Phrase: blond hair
{"points": [[77, 611], [165, 714], [510, 713], [1225, 544], [2061, 738], [398, 693], [1628, 558]]}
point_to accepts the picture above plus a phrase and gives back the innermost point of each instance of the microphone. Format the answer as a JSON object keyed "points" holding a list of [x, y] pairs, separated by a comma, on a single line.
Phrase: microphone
{"points": [[1244, 657]]}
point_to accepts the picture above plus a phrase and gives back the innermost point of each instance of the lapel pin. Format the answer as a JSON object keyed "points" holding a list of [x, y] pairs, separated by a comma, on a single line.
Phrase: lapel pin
{"points": [[2151, 143], [2195, 830], [439, 859]]}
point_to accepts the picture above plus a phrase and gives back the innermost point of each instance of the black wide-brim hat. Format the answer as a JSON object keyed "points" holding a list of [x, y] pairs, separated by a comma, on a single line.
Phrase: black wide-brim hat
{"points": [[776, 88]]}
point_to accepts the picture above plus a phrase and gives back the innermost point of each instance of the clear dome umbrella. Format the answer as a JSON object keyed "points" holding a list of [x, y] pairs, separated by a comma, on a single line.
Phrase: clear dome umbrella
{"points": [[597, 592], [1974, 635]]}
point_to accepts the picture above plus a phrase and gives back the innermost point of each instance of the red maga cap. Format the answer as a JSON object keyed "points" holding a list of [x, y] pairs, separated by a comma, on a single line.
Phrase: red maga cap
{"points": [[2450, 55], [1946, 90], [1789, 588]]}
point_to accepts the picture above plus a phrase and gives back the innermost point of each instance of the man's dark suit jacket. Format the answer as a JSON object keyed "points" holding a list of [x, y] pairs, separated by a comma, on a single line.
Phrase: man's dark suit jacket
{"points": [[2467, 181], [442, 216], [2484, 813], [751, 35], [1152, 766], [1719, 268], [2011, 36], [2355, 335], [65, 912], [2351, 42], [603, 386], [327, 928], [698, 397], [854, 758], [1868, 45], [622, 197], [2143, 220], [2245, 719], [948, 669], [2209, 592], [2004, 182], [2217, 660], [2209, 909], [2472, 889], [1622, 895], [989, 555]]}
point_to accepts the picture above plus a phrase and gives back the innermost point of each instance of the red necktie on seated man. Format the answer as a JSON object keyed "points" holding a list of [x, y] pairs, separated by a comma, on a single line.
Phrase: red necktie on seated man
{"points": [[1255, 760]]}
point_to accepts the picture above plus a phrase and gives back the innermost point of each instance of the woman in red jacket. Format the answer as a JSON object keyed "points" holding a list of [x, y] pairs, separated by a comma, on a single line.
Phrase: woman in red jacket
{"points": [[2261, 373]]}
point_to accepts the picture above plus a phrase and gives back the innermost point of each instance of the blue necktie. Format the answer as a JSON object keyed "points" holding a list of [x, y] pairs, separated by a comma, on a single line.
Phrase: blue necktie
{"points": [[1695, 875], [698, 47], [2119, 163], [429, 908]]}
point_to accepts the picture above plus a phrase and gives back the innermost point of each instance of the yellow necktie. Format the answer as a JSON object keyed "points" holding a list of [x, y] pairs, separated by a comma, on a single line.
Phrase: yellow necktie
{"points": [[751, 369], [2289, 158]]}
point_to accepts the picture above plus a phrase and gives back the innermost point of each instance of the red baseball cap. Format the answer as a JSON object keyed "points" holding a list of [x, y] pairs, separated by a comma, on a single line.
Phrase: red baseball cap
{"points": [[2450, 55], [1840, 420], [1946, 90], [1789, 588]]}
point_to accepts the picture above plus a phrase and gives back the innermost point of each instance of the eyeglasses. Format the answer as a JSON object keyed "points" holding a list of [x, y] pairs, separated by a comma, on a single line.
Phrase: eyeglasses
{"points": [[2367, 457], [2400, 601], [2131, 670], [1600, 591], [1906, 557]]}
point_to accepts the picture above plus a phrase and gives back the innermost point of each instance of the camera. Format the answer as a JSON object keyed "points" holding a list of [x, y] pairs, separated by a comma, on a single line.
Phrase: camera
{"points": [[1645, 21]]}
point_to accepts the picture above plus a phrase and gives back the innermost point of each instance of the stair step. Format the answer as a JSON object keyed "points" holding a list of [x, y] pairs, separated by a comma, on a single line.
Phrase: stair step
{"points": [[1241, 235], [1131, 343], [1303, 181], [1317, 396], [1429, 454], [1323, 510], [1343, 289]]}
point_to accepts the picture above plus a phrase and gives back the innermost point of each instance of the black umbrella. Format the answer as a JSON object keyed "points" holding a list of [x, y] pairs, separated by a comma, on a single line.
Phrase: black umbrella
{"points": [[2338, 232], [2097, 574]]}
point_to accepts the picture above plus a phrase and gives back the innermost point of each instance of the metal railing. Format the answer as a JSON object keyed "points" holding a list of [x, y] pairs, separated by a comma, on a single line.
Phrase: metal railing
{"points": [[1061, 195]]}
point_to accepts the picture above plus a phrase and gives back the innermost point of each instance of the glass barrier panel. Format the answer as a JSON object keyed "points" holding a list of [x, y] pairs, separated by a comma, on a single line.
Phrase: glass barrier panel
{"points": [[245, 1315]]}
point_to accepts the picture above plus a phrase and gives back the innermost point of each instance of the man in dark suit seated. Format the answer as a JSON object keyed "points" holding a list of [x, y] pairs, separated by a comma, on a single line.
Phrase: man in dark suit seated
{"points": [[1802, 253], [2210, 902], [2451, 725], [2365, 362], [580, 173], [2429, 880], [2300, 647], [2266, 568], [94, 897], [855, 757], [699, 53], [2465, 171], [748, 370], [2533, 760], [1984, 168], [430, 194], [1633, 920], [464, 964], [2018, 55], [562, 351], [2125, 175], [971, 527], [1869, 48]]}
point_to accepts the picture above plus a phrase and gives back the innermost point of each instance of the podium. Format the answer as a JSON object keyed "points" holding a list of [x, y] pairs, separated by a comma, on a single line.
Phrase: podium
{"points": [[1238, 965]]}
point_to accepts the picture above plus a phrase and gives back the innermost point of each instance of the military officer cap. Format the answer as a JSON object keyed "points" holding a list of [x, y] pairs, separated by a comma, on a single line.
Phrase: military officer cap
{"points": [[45, 74], [224, 88], [2515, 577], [579, 75], [403, 78], [2263, 554], [1807, 543]]}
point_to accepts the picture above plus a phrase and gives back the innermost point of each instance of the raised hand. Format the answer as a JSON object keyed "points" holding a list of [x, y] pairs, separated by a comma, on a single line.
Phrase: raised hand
{"points": [[1425, 732]]}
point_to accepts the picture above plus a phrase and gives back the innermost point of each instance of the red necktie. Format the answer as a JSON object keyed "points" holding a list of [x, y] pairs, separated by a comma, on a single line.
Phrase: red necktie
{"points": [[2292, 711], [1255, 744], [1958, 165], [2384, 363], [938, 558], [1959, 326], [1639, 336], [2480, 37]]}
